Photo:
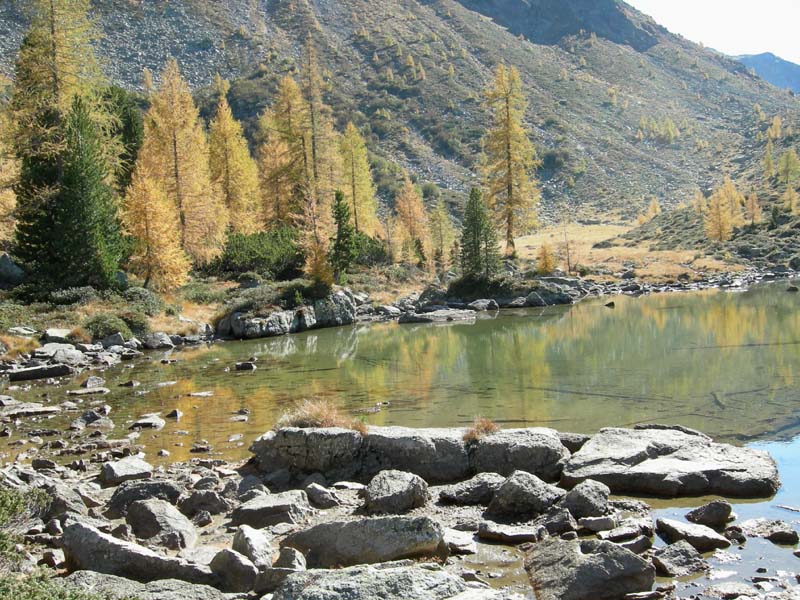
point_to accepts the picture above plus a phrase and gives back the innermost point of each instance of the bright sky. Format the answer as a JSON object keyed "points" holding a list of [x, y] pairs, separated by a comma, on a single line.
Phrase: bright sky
{"points": [[732, 26]]}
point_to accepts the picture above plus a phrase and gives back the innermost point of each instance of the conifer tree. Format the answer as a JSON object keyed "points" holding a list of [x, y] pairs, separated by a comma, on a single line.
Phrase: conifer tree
{"points": [[128, 129], [413, 218], [545, 260], [233, 170], [175, 153], [442, 234], [343, 251], [699, 203], [718, 219], [769, 165], [788, 167], [359, 188], [9, 172], [151, 218], [276, 183], [790, 201], [510, 158], [753, 212], [479, 252]]}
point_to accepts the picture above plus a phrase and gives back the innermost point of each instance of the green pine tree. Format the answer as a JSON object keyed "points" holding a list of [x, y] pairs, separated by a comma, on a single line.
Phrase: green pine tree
{"points": [[128, 127], [343, 250], [480, 256]]}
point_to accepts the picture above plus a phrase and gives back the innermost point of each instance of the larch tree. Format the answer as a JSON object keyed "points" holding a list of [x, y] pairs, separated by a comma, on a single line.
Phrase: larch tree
{"points": [[413, 218], [175, 152], [790, 201], [718, 218], [442, 235], [150, 217], [699, 202], [358, 186], [234, 173], [9, 172], [545, 260], [788, 167], [752, 209], [769, 164], [509, 156], [480, 256]]}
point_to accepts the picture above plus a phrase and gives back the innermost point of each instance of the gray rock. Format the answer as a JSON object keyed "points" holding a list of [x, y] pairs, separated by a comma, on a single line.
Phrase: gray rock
{"points": [[40, 372], [161, 523], [460, 542], [598, 524], [304, 319], [445, 315], [115, 339], [372, 583], [537, 450], [571, 570], [119, 588], [334, 311], [235, 572], [264, 510], [678, 560], [510, 534], [483, 305], [321, 497], [395, 492], [125, 469], [62, 500], [557, 521], [587, 499], [716, 513], [151, 421], [158, 340], [14, 409], [255, 545], [547, 294], [478, 490], [778, 532], [523, 496], [131, 491], [87, 548], [372, 540], [56, 335], [670, 462], [290, 558], [637, 545], [389, 311], [204, 500], [702, 538], [10, 273]]}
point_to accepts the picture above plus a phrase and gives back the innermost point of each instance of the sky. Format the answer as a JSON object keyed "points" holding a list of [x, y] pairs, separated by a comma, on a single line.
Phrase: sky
{"points": [[732, 26]]}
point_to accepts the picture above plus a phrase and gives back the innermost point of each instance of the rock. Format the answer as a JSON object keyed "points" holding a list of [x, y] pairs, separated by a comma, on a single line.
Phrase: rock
{"points": [[262, 511], [209, 501], [40, 372], [547, 294], [87, 548], [716, 513], [732, 590], [670, 462], [509, 534], [445, 315], [89, 391], [483, 305], [702, 538], [246, 366], [460, 542], [57, 335], [389, 311], [573, 441], [371, 540], [777, 532], [158, 340], [115, 339], [334, 311], [162, 523], [592, 570], [304, 319], [523, 496], [151, 421], [678, 560], [10, 273], [395, 492], [62, 500], [597, 524], [235, 572], [478, 490], [557, 521], [253, 544], [131, 491], [587, 499], [16, 410], [638, 544], [93, 381], [119, 588], [619, 534], [372, 583], [126, 469], [290, 558], [321, 497], [537, 450]]}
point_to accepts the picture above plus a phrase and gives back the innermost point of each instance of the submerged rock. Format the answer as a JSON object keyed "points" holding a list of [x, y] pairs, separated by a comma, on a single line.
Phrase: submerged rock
{"points": [[671, 461], [778, 532]]}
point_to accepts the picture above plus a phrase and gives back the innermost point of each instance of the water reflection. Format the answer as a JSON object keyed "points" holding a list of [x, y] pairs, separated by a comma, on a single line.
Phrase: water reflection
{"points": [[725, 363]]}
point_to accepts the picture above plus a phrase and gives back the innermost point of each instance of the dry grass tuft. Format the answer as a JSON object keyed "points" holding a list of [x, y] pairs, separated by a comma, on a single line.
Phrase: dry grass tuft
{"points": [[18, 345], [482, 427], [319, 412]]}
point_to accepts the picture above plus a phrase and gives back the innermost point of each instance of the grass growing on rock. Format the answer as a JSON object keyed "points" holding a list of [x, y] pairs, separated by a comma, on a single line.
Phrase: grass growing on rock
{"points": [[482, 427], [319, 412]]}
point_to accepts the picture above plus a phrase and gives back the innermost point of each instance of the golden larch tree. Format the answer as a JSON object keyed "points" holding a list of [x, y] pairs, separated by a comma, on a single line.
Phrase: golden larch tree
{"points": [[790, 202], [234, 173], [699, 203], [719, 216], [442, 236], [412, 220], [509, 156], [788, 167], [151, 218], [358, 186], [9, 171], [175, 153], [769, 163], [752, 209], [545, 259]]}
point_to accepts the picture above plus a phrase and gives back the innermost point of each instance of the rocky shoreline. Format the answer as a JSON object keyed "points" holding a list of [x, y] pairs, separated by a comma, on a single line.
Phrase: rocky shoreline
{"points": [[391, 512]]}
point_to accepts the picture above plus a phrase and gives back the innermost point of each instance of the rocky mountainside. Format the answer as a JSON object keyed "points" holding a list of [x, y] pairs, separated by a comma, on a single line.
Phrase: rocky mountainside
{"points": [[778, 72], [410, 72]]}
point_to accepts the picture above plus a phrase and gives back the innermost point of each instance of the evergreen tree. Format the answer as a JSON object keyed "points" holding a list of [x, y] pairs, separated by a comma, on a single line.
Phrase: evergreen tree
{"points": [[175, 153], [788, 167], [510, 159], [479, 252], [442, 234], [413, 220], [151, 218], [359, 187], [233, 170], [343, 251], [128, 128], [9, 172]]}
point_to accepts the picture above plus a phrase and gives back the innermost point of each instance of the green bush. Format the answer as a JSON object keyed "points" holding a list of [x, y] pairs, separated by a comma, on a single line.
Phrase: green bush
{"points": [[41, 587], [76, 295], [136, 321], [273, 254], [371, 252], [15, 507], [473, 287], [103, 325], [144, 300], [202, 293]]}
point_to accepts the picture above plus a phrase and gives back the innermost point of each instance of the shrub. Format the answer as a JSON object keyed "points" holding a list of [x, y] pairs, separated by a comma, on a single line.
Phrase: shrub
{"points": [[76, 295], [147, 301], [472, 287], [250, 279], [319, 412], [136, 321], [104, 324], [273, 254], [41, 587], [371, 252], [480, 429], [202, 293], [15, 508]]}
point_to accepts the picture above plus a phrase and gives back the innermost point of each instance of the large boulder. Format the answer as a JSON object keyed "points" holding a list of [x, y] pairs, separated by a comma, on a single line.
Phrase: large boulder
{"points": [[86, 548], [131, 491], [125, 469], [119, 588], [671, 461], [373, 540], [537, 450], [235, 571], [270, 509], [254, 544], [249, 327], [210, 501], [372, 583], [702, 538], [335, 310], [547, 294], [587, 499], [162, 523], [478, 490], [591, 570], [523, 496], [395, 492], [158, 340], [713, 514], [678, 560]]}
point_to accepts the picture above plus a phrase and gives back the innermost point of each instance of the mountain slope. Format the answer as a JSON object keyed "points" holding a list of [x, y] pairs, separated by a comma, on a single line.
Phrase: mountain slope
{"points": [[780, 73], [592, 69]]}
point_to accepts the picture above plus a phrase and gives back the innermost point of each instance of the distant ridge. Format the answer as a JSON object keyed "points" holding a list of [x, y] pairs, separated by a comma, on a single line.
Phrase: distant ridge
{"points": [[779, 72]]}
